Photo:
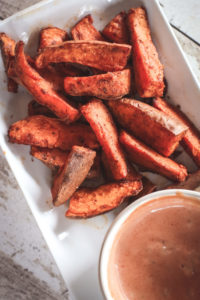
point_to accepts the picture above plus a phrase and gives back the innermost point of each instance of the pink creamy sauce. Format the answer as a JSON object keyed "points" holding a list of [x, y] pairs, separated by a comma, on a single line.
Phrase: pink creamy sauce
{"points": [[156, 254]]}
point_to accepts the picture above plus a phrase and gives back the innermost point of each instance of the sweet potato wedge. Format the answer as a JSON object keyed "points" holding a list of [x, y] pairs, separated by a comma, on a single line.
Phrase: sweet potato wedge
{"points": [[191, 140], [72, 174], [96, 54], [109, 86], [51, 133], [89, 202], [51, 36], [155, 128], [101, 122], [116, 30], [85, 30], [148, 69], [144, 156], [53, 158], [56, 158], [191, 183], [8, 52], [41, 89], [132, 174], [34, 108]]}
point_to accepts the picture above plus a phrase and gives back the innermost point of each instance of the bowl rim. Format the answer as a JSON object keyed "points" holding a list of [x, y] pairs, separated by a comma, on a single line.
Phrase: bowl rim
{"points": [[117, 223]]}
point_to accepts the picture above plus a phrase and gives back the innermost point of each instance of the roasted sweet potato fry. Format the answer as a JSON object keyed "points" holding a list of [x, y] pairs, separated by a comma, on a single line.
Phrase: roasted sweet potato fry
{"points": [[51, 133], [100, 119], [41, 89], [191, 140], [109, 86], [85, 30], [88, 202], [56, 158], [117, 31], [51, 36], [155, 128], [8, 52], [132, 174], [34, 108], [53, 158], [96, 54], [148, 69], [72, 174], [191, 183], [144, 156]]}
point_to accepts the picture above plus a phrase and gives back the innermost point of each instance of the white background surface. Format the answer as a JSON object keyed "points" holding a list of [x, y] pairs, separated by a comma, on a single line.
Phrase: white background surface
{"points": [[20, 236]]}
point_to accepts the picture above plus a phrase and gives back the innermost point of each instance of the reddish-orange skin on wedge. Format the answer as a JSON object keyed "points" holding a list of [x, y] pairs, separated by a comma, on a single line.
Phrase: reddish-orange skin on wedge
{"points": [[96, 54], [89, 202], [116, 30], [148, 69], [109, 86], [54, 158], [191, 140], [51, 36], [153, 127], [8, 52], [144, 156], [41, 89], [51, 133], [101, 122], [85, 30]]}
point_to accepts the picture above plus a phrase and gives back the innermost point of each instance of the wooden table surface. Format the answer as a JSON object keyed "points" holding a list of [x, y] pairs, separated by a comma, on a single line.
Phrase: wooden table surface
{"points": [[27, 269]]}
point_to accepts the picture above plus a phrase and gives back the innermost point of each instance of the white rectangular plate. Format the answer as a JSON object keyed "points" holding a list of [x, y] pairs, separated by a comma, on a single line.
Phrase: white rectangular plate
{"points": [[75, 244]]}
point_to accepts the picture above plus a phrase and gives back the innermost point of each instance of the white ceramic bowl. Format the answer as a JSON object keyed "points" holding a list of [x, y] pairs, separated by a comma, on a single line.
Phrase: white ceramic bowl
{"points": [[117, 224]]}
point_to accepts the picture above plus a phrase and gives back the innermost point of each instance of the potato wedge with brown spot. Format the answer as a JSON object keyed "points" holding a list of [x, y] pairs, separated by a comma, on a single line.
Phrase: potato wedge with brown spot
{"points": [[41, 89], [191, 139], [146, 64], [155, 128], [117, 30], [144, 156], [89, 202], [51, 133], [96, 54], [101, 122], [85, 30], [73, 173], [109, 86]]}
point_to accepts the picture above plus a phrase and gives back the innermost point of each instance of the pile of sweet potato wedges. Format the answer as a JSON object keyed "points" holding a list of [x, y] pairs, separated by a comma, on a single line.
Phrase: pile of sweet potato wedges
{"points": [[84, 122]]}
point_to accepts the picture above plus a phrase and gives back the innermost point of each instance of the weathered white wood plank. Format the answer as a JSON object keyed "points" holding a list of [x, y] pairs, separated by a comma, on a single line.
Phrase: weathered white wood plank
{"points": [[185, 15]]}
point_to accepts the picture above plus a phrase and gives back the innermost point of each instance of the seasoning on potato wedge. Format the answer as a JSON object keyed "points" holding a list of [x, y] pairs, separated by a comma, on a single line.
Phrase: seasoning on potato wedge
{"points": [[101, 122], [148, 68], [142, 155], [51, 133], [158, 130], [89, 202], [191, 139], [109, 86], [96, 54], [85, 30]]}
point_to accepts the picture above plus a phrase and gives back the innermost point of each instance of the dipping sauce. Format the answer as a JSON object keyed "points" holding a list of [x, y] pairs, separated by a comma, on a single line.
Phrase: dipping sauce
{"points": [[156, 253]]}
